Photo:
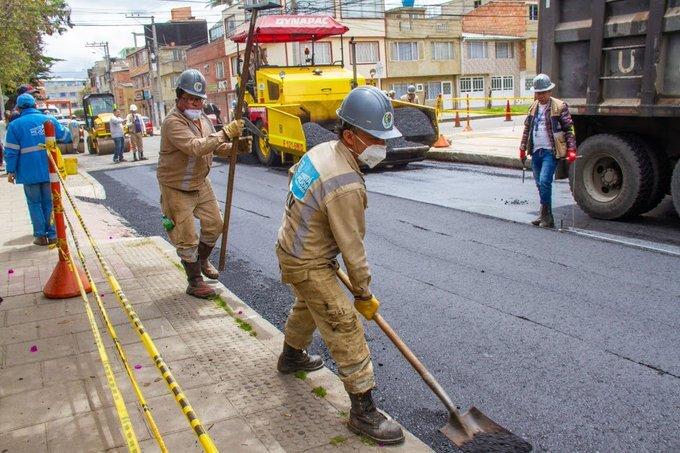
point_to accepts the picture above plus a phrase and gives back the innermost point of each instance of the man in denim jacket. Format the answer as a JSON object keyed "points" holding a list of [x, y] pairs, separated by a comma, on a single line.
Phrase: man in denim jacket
{"points": [[548, 136]]}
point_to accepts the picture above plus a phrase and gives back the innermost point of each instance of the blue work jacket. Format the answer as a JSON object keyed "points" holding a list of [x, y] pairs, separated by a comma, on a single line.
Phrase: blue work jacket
{"points": [[25, 151]]}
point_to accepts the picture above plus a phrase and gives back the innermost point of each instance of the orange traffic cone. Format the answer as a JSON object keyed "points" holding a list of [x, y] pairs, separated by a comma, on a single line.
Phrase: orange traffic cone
{"points": [[441, 142], [457, 123], [62, 283], [508, 117]]}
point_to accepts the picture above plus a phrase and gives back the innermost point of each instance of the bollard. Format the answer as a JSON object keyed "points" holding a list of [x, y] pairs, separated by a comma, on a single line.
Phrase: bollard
{"points": [[508, 117], [62, 283], [457, 121], [467, 127]]}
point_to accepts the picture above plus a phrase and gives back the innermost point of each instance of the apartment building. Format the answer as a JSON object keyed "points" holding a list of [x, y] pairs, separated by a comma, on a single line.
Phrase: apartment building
{"points": [[211, 60], [64, 89], [423, 49]]}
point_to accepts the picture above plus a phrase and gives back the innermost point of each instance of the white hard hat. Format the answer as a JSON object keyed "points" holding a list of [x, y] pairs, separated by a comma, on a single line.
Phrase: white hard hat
{"points": [[133, 108]]}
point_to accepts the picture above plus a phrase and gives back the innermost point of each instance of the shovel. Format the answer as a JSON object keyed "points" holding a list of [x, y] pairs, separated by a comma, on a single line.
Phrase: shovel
{"points": [[471, 430]]}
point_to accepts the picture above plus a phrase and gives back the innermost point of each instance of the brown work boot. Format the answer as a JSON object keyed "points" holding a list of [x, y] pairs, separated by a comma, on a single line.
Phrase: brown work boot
{"points": [[51, 241], [40, 240], [537, 222], [547, 220], [207, 268], [197, 287], [366, 420], [292, 360]]}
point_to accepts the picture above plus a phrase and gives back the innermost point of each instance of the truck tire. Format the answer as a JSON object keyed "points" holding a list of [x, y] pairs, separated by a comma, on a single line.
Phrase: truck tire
{"points": [[613, 178], [90, 146], [264, 153], [675, 187], [661, 172]]}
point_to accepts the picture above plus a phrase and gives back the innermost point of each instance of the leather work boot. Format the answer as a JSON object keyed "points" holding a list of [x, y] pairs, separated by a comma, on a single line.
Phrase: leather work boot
{"points": [[197, 287], [207, 268], [537, 222], [366, 420], [40, 240], [292, 360], [547, 220]]}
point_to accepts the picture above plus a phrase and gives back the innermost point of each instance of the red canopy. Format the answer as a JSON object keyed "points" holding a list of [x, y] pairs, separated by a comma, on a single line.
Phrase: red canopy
{"points": [[270, 29]]}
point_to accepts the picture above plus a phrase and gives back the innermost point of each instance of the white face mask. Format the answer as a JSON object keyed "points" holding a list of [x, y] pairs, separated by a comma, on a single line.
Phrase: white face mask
{"points": [[193, 115], [373, 154]]}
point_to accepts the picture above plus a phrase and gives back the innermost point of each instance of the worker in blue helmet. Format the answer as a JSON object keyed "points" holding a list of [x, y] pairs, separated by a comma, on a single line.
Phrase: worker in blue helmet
{"points": [[27, 164]]}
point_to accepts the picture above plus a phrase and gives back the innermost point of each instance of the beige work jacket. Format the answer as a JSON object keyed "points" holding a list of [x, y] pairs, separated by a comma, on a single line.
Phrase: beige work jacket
{"points": [[324, 216], [187, 151]]}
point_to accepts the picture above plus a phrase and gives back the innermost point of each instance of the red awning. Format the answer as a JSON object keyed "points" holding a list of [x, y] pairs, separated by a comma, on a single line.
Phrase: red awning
{"points": [[270, 29]]}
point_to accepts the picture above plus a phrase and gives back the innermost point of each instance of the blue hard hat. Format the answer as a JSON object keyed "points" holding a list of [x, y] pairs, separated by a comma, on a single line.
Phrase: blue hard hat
{"points": [[25, 101], [367, 108]]}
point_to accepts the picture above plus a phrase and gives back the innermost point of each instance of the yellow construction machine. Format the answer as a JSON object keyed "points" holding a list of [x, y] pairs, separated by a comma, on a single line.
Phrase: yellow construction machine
{"points": [[293, 108], [98, 109]]}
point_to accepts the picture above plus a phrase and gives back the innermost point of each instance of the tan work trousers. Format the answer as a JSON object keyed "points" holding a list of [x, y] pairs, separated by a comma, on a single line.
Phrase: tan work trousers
{"points": [[321, 303], [136, 143], [182, 207]]}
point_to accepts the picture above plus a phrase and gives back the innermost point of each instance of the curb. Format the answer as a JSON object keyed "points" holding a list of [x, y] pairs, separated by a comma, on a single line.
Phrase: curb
{"points": [[478, 159]]}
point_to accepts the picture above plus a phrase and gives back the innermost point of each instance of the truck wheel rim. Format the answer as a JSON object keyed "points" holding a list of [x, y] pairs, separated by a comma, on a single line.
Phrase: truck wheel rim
{"points": [[603, 178]]}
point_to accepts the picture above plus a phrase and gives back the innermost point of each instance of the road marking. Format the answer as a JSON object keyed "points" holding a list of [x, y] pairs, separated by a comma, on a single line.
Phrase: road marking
{"points": [[636, 243]]}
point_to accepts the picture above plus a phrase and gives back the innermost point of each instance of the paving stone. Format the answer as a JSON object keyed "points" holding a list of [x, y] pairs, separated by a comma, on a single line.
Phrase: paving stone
{"points": [[72, 324], [35, 313], [231, 435], [18, 333], [93, 431], [157, 328], [208, 406], [38, 406], [20, 378], [78, 367], [29, 439], [22, 301], [144, 311], [39, 350]]}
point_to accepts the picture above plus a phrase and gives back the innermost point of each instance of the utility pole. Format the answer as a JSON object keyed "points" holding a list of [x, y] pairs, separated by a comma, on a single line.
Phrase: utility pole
{"points": [[157, 92], [104, 45]]}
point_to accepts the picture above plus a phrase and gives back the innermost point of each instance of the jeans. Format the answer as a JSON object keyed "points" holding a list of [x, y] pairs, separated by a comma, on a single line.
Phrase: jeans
{"points": [[543, 163], [39, 199], [119, 143]]}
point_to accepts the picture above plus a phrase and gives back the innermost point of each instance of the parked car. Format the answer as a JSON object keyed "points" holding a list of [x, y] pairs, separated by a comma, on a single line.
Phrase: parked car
{"points": [[148, 126]]}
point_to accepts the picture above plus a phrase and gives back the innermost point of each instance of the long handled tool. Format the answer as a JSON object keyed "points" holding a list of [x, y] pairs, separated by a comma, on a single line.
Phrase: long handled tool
{"points": [[472, 429]]}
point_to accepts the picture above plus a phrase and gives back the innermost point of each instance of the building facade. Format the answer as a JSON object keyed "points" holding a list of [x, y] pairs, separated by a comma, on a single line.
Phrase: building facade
{"points": [[211, 60], [64, 89]]}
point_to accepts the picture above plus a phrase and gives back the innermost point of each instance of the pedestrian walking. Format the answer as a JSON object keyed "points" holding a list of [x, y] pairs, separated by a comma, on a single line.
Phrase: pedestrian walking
{"points": [[136, 130], [116, 124], [410, 95], [324, 216], [27, 164], [548, 136], [74, 129], [3, 134], [188, 142]]}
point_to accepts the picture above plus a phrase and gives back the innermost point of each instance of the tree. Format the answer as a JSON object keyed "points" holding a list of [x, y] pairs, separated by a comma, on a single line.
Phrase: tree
{"points": [[23, 23]]}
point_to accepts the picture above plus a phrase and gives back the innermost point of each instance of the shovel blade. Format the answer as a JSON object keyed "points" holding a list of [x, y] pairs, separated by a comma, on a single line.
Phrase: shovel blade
{"points": [[474, 431]]}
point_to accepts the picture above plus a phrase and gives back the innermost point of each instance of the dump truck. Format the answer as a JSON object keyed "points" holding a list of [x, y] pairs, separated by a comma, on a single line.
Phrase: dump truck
{"points": [[616, 65], [98, 109], [293, 108]]}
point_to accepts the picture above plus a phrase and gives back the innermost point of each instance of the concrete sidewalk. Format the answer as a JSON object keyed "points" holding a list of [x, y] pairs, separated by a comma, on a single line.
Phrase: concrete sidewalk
{"points": [[54, 395], [497, 147]]}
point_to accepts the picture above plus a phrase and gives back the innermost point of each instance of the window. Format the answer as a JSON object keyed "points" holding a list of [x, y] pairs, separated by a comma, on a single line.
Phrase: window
{"points": [[529, 83], [363, 9], [219, 70], [442, 51], [405, 51], [177, 55], [217, 31], [478, 84], [533, 12], [235, 65], [433, 89], [508, 83], [478, 3], [405, 26], [477, 49], [470, 84], [322, 53], [230, 25], [400, 89], [316, 7], [496, 83], [442, 27], [367, 52], [505, 50]]}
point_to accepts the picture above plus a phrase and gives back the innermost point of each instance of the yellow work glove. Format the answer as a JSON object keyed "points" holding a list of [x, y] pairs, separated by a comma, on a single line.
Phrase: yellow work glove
{"points": [[234, 129], [367, 307]]}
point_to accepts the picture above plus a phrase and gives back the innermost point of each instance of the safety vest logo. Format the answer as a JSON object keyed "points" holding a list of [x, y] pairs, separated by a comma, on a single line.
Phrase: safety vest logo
{"points": [[304, 177]]}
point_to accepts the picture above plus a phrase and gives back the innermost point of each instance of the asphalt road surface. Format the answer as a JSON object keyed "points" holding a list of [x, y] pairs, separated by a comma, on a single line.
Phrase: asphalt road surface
{"points": [[571, 342]]}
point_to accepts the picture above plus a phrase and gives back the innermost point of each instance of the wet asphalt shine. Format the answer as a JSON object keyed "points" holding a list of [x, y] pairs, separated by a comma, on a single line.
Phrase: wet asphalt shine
{"points": [[571, 342]]}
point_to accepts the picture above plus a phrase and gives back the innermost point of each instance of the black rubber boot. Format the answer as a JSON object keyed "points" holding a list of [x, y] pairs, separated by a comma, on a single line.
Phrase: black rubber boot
{"points": [[292, 360], [207, 268], [366, 420], [547, 220], [197, 287]]}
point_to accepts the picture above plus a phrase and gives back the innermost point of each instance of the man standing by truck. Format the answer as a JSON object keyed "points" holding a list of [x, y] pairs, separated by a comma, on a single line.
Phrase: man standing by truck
{"points": [[410, 95], [136, 129], [548, 136], [324, 216], [188, 142]]}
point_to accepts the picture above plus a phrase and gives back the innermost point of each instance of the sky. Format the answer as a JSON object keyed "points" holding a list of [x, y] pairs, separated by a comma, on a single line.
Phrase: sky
{"points": [[102, 21]]}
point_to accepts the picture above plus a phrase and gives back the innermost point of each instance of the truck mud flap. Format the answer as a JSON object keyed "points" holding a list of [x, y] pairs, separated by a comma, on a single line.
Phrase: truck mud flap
{"points": [[285, 132]]}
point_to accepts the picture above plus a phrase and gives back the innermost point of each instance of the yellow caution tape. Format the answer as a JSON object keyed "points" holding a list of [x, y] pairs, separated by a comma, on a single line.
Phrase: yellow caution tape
{"points": [[200, 432]]}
